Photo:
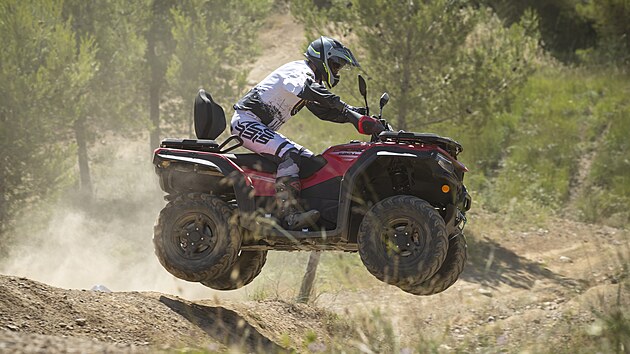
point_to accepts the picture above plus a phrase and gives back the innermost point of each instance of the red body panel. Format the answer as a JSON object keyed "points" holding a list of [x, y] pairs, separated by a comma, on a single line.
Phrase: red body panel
{"points": [[340, 158]]}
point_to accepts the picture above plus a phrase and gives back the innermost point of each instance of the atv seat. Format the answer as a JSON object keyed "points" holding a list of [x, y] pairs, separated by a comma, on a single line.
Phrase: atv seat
{"points": [[308, 166]]}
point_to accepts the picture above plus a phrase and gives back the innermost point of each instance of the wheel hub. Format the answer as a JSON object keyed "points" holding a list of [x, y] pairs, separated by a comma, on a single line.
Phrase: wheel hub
{"points": [[403, 238], [195, 236]]}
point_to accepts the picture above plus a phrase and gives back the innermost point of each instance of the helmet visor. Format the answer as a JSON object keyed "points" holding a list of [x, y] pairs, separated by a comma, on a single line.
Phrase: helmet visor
{"points": [[336, 64]]}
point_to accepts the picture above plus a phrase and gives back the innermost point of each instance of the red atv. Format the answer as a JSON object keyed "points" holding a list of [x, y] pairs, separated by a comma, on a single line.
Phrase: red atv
{"points": [[399, 200]]}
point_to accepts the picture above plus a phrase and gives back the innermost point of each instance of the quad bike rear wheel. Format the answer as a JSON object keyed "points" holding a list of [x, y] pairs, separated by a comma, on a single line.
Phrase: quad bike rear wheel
{"points": [[247, 267], [448, 273], [196, 237], [402, 240]]}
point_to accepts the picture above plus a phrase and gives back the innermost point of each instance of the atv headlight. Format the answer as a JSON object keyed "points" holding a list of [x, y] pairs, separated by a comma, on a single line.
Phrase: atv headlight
{"points": [[445, 163]]}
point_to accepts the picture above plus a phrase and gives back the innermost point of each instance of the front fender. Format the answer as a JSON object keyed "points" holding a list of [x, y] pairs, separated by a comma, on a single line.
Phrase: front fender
{"points": [[386, 170]]}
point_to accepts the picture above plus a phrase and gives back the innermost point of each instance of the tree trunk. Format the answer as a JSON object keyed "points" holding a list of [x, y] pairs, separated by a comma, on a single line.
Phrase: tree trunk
{"points": [[309, 278], [405, 86], [4, 219], [154, 92], [85, 187], [154, 114]]}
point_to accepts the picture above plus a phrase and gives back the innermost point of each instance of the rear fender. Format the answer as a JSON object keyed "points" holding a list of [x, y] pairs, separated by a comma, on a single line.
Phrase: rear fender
{"points": [[183, 171]]}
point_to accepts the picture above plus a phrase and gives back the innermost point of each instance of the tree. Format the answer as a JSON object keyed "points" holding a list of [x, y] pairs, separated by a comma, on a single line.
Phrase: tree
{"points": [[109, 98], [43, 69], [610, 18], [562, 29], [428, 55], [158, 53]]}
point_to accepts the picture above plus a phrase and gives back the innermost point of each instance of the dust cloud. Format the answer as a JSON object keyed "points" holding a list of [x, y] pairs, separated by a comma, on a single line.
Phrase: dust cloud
{"points": [[108, 243]]}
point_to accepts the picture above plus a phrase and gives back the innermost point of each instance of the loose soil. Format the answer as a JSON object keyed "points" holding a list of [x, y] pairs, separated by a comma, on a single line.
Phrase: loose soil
{"points": [[532, 288]]}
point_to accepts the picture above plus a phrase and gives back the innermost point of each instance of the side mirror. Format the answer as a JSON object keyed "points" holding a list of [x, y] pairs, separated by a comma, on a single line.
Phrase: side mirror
{"points": [[363, 91], [362, 86], [384, 100]]}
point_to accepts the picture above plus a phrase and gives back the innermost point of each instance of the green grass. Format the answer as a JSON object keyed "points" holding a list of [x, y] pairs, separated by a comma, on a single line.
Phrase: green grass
{"points": [[563, 143]]}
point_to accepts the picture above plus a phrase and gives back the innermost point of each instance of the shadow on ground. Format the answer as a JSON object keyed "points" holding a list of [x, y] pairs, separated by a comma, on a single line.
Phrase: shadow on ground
{"points": [[224, 326], [491, 264]]}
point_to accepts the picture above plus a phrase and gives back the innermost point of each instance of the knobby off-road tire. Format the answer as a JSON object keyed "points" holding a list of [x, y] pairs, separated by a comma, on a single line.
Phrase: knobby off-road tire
{"points": [[448, 273], [196, 237], [247, 267], [402, 240]]}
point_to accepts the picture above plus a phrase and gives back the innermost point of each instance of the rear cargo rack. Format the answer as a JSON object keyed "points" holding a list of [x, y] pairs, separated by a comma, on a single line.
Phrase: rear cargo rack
{"points": [[202, 145]]}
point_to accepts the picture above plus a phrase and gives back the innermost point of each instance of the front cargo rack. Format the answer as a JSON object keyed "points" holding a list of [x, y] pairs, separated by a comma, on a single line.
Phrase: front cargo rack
{"points": [[403, 137]]}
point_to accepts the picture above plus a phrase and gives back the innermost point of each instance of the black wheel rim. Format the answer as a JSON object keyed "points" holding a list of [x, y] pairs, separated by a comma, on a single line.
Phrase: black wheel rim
{"points": [[403, 237], [194, 236]]}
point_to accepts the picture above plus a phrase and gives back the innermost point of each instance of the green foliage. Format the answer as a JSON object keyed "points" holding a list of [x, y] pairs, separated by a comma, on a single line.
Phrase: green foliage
{"points": [[496, 63], [610, 18], [563, 30], [607, 191], [110, 101], [543, 153], [440, 61], [42, 70], [566, 143]]}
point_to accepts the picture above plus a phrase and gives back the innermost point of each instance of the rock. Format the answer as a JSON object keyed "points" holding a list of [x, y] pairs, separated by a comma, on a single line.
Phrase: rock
{"points": [[491, 319], [485, 292], [80, 321], [101, 288], [13, 327], [319, 347], [565, 259]]}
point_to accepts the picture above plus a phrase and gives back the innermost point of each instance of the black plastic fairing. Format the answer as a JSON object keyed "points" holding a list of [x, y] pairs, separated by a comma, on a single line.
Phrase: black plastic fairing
{"points": [[416, 160], [204, 165]]}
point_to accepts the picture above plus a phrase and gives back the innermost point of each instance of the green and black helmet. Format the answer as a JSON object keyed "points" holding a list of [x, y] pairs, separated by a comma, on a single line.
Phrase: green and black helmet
{"points": [[329, 56]]}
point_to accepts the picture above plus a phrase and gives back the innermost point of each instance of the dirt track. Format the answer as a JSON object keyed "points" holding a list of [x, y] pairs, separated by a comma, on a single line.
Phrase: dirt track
{"points": [[535, 289]]}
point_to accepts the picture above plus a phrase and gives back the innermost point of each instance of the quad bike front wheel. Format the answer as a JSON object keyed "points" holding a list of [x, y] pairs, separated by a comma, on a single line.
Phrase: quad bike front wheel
{"points": [[402, 240], [247, 267], [196, 237], [448, 273]]}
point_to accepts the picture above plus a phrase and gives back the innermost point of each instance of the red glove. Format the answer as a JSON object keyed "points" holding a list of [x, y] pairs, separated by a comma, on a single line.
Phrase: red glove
{"points": [[368, 126]]}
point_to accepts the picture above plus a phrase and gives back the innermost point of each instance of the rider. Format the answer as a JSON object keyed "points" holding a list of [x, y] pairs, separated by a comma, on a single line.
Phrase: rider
{"points": [[278, 97]]}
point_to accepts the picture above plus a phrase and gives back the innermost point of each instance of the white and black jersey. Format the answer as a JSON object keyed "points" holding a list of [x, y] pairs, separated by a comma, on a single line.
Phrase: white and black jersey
{"points": [[271, 103], [285, 91]]}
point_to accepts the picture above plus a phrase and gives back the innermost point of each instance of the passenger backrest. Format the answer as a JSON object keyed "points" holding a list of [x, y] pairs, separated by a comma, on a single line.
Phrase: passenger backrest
{"points": [[209, 117]]}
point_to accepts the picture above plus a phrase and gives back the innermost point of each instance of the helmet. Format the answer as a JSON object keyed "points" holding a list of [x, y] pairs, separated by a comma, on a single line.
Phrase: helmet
{"points": [[329, 56]]}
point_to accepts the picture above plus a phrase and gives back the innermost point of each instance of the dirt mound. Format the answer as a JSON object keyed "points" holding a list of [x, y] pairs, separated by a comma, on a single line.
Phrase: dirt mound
{"points": [[35, 317]]}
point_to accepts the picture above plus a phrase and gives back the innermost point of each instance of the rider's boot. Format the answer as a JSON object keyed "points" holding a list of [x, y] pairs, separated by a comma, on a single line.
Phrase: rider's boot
{"points": [[287, 197]]}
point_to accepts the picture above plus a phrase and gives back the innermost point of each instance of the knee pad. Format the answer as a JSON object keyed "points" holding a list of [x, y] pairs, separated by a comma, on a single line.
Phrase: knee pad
{"points": [[289, 164]]}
